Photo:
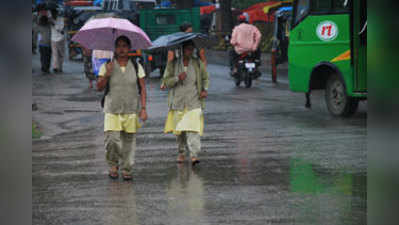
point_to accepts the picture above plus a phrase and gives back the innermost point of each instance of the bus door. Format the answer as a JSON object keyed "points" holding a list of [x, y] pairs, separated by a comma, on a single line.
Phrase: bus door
{"points": [[360, 44]]}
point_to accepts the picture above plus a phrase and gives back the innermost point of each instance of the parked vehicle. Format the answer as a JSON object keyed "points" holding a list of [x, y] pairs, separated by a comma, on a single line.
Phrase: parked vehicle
{"points": [[328, 50], [282, 23]]}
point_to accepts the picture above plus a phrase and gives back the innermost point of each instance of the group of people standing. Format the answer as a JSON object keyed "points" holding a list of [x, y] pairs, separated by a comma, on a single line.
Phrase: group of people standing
{"points": [[187, 80], [48, 34]]}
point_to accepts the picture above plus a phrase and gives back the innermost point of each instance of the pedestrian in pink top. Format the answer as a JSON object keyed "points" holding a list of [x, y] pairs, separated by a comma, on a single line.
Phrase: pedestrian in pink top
{"points": [[245, 38]]}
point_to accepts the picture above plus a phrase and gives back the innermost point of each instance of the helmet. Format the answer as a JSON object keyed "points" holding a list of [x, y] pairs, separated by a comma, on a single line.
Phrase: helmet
{"points": [[242, 18]]}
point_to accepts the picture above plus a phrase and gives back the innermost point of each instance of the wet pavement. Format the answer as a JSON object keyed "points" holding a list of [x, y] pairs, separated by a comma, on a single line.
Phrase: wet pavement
{"points": [[266, 159]]}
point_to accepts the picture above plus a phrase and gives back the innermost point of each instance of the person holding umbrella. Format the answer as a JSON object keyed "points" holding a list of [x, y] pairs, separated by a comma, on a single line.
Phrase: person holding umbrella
{"points": [[188, 81], [124, 85], [122, 105], [188, 28]]}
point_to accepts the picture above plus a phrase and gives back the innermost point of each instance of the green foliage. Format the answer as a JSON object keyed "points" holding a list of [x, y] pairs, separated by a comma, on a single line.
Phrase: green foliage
{"points": [[239, 4]]}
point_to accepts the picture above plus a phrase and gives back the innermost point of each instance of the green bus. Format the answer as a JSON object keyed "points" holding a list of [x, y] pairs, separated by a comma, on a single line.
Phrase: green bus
{"points": [[328, 51]]}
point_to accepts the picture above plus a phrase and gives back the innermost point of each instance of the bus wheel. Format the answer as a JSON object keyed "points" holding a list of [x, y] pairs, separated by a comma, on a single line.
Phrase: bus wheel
{"points": [[338, 102]]}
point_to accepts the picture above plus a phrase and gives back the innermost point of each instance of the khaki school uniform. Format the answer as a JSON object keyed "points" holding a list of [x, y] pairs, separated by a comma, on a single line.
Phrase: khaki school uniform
{"points": [[185, 118], [121, 121]]}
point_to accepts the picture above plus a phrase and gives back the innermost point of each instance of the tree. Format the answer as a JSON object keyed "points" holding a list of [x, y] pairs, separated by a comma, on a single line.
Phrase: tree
{"points": [[184, 4], [227, 17]]}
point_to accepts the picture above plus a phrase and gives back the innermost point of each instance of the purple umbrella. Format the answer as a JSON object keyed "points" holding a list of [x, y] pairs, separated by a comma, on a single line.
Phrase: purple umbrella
{"points": [[101, 34]]}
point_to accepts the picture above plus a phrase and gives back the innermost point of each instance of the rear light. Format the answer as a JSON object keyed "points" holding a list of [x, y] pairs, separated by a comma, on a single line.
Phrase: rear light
{"points": [[150, 58], [243, 55]]}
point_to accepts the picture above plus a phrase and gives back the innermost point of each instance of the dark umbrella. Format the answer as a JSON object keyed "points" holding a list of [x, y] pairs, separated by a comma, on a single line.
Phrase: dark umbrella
{"points": [[175, 40]]}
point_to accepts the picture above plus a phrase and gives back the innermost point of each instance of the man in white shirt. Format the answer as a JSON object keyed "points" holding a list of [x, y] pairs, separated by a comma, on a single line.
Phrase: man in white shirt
{"points": [[57, 41]]}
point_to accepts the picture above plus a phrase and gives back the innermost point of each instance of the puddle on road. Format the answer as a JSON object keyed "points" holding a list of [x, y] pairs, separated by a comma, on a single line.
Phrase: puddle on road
{"points": [[308, 194], [324, 195]]}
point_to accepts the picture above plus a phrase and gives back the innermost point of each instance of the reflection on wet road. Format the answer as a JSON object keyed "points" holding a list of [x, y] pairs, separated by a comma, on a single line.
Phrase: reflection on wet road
{"points": [[266, 160]]}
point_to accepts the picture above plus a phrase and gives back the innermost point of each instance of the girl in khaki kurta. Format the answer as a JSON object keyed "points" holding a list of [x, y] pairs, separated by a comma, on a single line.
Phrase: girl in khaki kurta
{"points": [[188, 82], [123, 105]]}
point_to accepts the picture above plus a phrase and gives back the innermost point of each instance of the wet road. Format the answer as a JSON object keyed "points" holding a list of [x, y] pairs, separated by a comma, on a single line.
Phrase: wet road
{"points": [[266, 160]]}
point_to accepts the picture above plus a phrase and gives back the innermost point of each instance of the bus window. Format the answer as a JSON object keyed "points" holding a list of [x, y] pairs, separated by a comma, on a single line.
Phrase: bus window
{"points": [[339, 5], [321, 5], [329, 6], [301, 10]]}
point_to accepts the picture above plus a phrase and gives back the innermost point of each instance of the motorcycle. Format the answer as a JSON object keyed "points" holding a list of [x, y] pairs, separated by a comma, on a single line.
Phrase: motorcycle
{"points": [[247, 67]]}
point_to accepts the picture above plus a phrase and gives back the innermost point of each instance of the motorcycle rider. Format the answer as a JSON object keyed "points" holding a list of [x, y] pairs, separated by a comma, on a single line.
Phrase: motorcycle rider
{"points": [[245, 38]]}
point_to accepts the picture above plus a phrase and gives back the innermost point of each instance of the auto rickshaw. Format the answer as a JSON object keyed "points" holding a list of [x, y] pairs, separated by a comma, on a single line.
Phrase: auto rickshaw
{"points": [[282, 23]]}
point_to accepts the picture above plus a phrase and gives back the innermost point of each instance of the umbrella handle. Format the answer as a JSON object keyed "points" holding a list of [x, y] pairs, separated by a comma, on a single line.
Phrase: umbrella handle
{"points": [[114, 35]]}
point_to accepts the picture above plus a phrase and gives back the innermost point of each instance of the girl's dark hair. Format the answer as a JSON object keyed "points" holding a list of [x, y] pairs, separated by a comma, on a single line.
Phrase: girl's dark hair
{"points": [[43, 21], [185, 26], [188, 43], [125, 39]]}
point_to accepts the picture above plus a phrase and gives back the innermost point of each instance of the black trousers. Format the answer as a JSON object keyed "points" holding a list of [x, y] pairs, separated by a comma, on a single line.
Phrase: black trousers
{"points": [[45, 57], [234, 57]]}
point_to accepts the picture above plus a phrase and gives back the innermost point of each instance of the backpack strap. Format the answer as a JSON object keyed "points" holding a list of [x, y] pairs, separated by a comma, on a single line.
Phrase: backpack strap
{"points": [[136, 67]]}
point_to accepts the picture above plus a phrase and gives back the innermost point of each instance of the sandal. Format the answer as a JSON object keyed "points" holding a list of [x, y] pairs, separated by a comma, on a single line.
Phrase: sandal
{"points": [[127, 176], [194, 161], [113, 172]]}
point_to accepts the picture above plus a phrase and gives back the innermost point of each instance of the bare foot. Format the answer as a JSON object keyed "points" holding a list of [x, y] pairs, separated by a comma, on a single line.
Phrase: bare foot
{"points": [[180, 158]]}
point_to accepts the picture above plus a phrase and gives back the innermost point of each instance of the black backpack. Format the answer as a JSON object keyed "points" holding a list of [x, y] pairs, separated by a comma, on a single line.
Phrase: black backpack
{"points": [[106, 90]]}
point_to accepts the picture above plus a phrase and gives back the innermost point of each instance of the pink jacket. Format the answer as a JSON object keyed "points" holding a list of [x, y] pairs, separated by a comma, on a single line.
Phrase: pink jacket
{"points": [[245, 38]]}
